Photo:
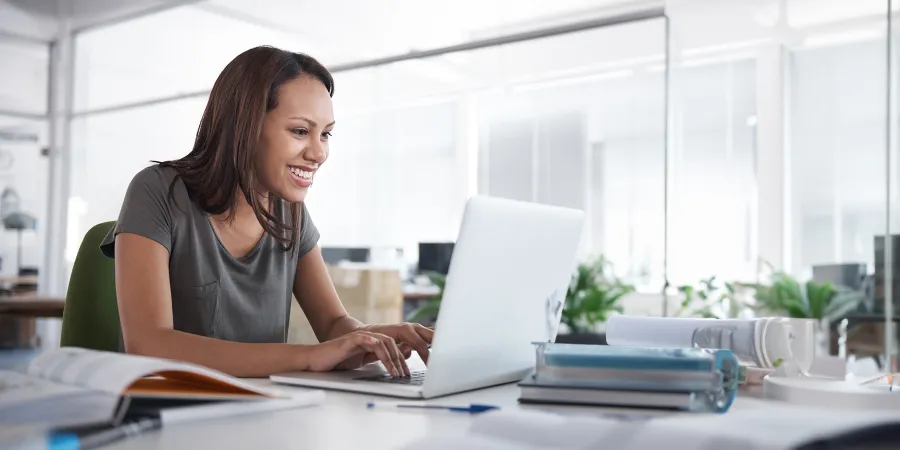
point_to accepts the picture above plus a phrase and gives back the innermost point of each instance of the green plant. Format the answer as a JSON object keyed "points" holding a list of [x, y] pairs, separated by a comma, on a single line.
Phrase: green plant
{"points": [[709, 300], [593, 295], [429, 311], [784, 295]]}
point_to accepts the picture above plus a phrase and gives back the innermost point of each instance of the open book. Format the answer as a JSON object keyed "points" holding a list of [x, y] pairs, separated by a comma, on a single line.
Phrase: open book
{"points": [[774, 426], [69, 387]]}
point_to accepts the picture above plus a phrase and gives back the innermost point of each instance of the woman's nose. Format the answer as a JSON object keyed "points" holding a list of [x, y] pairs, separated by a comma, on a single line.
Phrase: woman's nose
{"points": [[316, 152]]}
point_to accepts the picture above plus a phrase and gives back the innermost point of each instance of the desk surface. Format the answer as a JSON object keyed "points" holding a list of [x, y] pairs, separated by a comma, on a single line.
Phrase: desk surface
{"points": [[343, 421], [18, 279], [32, 306]]}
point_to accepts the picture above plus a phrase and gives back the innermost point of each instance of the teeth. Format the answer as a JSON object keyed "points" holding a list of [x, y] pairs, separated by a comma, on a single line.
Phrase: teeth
{"points": [[301, 173]]}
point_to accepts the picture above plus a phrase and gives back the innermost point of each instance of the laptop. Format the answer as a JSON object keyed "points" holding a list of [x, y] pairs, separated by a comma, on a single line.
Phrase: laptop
{"points": [[505, 288]]}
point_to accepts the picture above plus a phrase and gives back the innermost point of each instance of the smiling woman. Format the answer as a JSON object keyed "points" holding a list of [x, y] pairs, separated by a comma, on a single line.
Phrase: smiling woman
{"points": [[209, 248]]}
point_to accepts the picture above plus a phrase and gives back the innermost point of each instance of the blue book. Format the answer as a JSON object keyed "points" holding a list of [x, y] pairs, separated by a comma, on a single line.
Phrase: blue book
{"points": [[709, 375]]}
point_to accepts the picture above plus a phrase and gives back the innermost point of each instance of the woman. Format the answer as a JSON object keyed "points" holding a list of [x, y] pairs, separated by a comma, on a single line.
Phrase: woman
{"points": [[210, 247]]}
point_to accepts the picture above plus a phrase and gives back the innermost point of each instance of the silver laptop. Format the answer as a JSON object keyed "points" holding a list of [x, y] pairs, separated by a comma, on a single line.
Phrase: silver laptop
{"points": [[505, 289]]}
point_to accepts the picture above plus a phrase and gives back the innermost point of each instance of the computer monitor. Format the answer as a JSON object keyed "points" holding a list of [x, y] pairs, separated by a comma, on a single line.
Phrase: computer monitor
{"points": [[880, 271], [435, 256], [847, 275], [337, 255]]}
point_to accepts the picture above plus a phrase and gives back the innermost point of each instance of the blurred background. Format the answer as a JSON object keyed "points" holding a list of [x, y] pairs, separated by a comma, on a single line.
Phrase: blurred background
{"points": [[725, 151]]}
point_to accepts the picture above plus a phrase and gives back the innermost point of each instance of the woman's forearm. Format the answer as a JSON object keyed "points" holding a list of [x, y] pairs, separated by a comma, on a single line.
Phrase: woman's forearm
{"points": [[343, 325], [234, 358]]}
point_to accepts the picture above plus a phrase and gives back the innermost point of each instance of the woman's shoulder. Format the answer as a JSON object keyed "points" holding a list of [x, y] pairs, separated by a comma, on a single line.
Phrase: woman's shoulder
{"points": [[155, 175], [159, 182]]}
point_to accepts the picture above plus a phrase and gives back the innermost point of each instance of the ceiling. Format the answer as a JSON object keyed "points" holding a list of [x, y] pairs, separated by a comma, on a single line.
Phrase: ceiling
{"points": [[39, 19], [354, 29]]}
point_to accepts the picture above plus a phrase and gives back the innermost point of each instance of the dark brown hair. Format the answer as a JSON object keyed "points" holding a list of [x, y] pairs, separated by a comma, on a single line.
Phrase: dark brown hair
{"points": [[222, 158]]}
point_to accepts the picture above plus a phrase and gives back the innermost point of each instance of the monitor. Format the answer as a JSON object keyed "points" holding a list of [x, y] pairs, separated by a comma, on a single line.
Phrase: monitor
{"points": [[435, 256], [337, 255]]}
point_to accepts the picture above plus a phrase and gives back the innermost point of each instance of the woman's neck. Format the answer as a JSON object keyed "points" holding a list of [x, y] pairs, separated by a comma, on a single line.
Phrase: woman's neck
{"points": [[242, 214]]}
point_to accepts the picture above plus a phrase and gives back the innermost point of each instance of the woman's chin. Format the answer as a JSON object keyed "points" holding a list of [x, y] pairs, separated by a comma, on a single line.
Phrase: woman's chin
{"points": [[294, 194]]}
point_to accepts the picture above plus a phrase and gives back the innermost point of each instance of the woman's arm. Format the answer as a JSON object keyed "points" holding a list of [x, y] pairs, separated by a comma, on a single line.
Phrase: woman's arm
{"points": [[326, 314], [319, 300], [145, 311]]}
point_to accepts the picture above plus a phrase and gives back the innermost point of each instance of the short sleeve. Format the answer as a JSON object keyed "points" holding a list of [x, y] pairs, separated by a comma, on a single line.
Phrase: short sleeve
{"points": [[309, 234], [145, 211]]}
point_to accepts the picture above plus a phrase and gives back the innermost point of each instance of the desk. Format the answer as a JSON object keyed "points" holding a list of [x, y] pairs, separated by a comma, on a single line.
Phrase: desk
{"points": [[344, 422], [32, 306], [16, 279]]}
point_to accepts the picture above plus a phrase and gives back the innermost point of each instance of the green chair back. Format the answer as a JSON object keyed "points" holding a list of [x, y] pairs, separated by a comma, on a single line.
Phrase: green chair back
{"points": [[91, 316]]}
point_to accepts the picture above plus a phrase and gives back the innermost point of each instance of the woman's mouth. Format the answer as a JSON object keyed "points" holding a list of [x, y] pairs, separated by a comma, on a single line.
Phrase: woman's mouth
{"points": [[302, 176]]}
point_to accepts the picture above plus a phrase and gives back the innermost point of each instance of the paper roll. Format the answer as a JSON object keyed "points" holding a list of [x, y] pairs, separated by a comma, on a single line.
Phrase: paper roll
{"points": [[667, 332]]}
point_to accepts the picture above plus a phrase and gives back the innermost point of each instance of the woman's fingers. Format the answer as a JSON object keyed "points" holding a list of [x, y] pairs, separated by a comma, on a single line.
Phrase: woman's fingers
{"points": [[399, 360], [427, 334], [370, 343], [394, 361], [405, 350], [411, 335]]}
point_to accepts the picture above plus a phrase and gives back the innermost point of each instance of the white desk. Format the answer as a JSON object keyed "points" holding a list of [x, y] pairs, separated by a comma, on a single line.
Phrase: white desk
{"points": [[343, 421]]}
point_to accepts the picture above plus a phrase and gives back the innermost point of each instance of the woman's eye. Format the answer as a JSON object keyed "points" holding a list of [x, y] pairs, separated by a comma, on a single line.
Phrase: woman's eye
{"points": [[326, 135], [300, 131]]}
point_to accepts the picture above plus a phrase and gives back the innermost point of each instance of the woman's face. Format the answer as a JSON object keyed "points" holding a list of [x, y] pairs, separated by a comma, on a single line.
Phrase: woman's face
{"points": [[294, 141]]}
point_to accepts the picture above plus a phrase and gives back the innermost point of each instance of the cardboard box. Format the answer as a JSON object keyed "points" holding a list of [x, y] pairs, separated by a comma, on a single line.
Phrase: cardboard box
{"points": [[370, 295]]}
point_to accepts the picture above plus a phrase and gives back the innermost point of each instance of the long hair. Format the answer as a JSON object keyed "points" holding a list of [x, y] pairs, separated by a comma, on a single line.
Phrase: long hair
{"points": [[222, 158]]}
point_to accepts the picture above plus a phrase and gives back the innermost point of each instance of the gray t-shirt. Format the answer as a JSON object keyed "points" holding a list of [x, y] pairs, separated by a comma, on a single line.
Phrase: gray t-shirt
{"points": [[214, 294]]}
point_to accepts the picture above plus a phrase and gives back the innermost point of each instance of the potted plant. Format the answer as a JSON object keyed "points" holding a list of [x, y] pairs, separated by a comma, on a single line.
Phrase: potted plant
{"points": [[593, 295], [823, 302], [427, 313], [710, 299]]}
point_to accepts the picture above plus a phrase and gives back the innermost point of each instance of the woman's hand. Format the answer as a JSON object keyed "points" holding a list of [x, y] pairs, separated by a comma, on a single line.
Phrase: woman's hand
{"points": [[408, 335], [356, 349]]}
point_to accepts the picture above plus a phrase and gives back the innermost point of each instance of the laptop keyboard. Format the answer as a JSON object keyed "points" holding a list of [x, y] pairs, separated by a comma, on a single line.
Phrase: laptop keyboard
{"points": [[415, 378]]}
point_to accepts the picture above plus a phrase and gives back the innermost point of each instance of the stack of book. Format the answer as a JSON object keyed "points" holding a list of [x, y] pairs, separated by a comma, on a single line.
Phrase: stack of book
{"points": [[690, 379]]}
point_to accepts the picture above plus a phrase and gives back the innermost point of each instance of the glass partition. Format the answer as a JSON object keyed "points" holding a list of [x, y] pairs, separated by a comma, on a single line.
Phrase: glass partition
{"points": [[23, 89], [416, 138], [23, 163], [23, 201]]}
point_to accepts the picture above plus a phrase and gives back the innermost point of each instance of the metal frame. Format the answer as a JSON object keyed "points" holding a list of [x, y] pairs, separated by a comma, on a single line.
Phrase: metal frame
{"points": [[22, 115], [667, 148], [889, 335], [163, 6], [618, 19], [23, 38]]}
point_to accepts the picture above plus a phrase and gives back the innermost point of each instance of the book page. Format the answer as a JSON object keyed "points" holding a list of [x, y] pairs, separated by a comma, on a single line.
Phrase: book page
{"points": [[17, 388], [114, 372], [26, 399]]}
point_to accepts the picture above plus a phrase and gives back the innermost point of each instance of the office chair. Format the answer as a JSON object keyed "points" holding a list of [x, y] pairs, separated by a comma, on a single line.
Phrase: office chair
{"points": [[91, 316]]}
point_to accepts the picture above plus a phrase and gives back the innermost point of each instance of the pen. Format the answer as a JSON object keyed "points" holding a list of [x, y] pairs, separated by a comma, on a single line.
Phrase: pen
{"points": [[70, 440], [471, 408]]}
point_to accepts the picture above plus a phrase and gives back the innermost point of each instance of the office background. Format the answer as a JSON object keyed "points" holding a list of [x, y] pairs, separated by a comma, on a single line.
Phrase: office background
{"points": [[703, 137]]}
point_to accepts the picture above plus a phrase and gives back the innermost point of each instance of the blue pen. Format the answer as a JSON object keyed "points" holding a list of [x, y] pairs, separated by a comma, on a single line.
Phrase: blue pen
{"points": [[73, 440], [473, 408]]}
